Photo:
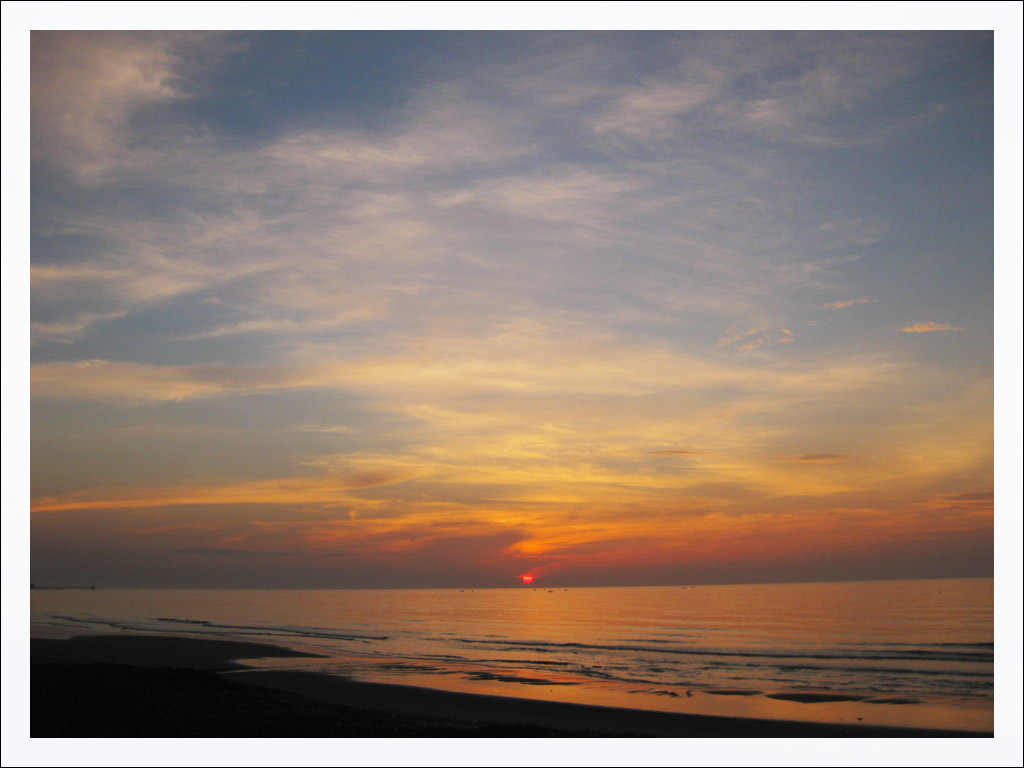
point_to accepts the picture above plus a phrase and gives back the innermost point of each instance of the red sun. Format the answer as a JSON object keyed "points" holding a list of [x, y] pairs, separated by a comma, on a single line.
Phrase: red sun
{"points": [[527, 579]]}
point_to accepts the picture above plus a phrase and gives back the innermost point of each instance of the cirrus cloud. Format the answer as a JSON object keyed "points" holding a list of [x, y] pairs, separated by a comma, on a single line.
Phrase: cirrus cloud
{"points": [[930, 327]]}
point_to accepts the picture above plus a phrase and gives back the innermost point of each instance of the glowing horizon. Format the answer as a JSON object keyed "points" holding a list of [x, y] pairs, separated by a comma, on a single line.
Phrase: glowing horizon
{"points": [[451, 309]]}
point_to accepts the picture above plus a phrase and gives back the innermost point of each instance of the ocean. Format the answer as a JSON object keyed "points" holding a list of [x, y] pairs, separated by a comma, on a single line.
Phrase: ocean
{"points": [[914, 653]]}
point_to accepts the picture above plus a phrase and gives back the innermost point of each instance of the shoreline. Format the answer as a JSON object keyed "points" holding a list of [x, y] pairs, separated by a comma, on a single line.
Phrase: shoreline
{"points": [[166, 686]]}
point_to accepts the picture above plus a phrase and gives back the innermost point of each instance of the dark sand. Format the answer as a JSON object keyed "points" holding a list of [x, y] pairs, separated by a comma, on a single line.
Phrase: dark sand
{"points": [[141, 686]]}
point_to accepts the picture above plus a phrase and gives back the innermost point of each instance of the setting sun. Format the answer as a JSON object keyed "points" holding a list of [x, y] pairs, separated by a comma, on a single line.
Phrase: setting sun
{"points": [[527, 579]]}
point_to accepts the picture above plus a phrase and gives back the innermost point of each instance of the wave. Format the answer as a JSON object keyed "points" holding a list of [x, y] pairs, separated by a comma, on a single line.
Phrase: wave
{"points": [[249, 629], [947, 668], [838, 655]]}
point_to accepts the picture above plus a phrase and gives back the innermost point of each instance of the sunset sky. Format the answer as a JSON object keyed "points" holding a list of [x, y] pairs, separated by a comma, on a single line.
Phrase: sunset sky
{"points": [[443, 309]]}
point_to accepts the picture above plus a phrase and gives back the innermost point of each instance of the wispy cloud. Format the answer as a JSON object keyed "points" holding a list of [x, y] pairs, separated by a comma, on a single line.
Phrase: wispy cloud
{"points": [[733, 335], [333, 490], [752, 338], [821, 458], [136, 383], [930, 327], [87, 87], [68, 331], [454, 177], [517, 357], [847, 303], [651, 110]]}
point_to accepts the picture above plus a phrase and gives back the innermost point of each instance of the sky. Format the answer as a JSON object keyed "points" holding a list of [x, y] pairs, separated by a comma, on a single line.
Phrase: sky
{"points": [[440, 309]]}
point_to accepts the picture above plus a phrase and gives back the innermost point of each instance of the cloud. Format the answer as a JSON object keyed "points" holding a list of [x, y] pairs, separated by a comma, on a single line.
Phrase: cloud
{"points": [[86, 86], [520, 419], [822, 458], [650, 111], [442, 126], [732, 335], [848, 303], [981, 497], [460, 195], [217, 552], [831, 85], [67, 332], [334, 489], [573, 194], [929, 327], [819, 89], [516, 359], [752, 338], [136, 383]]}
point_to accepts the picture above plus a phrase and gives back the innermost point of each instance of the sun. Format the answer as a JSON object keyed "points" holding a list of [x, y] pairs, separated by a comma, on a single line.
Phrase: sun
{"points": [[527, 579]]}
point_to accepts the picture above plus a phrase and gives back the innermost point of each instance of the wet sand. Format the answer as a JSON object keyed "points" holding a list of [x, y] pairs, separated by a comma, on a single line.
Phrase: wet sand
{"points": [[144, 686]]}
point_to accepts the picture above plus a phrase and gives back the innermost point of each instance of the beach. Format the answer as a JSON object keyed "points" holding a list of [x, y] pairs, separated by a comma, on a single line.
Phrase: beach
{"points": [[166, 686]]}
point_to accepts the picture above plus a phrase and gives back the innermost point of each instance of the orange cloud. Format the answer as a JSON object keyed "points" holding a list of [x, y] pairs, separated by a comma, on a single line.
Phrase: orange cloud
{"points": [[732, 335], [850, 303], [821, 458], [929, 327], [292, 490], [752, 338]]}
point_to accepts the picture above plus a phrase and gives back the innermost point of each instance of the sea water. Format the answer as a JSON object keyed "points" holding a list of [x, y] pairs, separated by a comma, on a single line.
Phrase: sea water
{"points": [[895, 652]]}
